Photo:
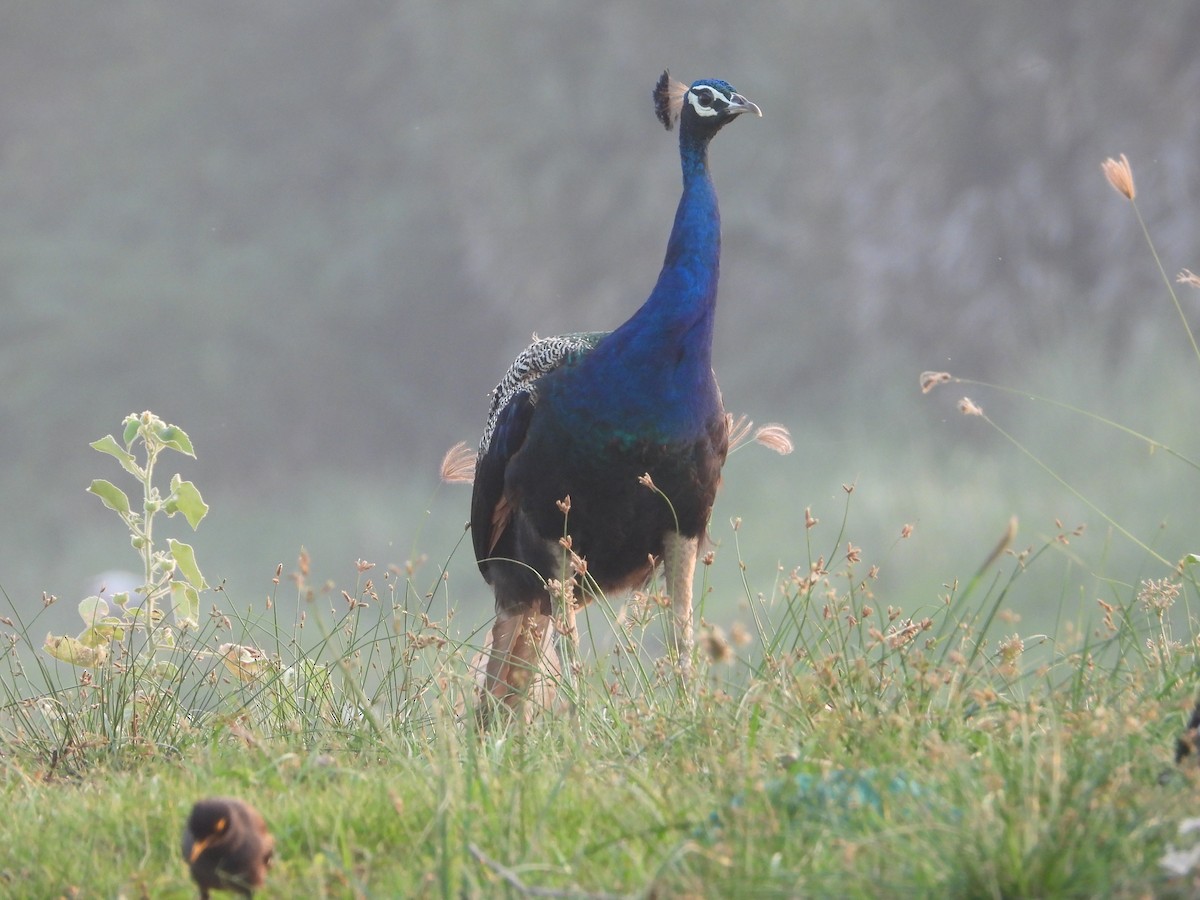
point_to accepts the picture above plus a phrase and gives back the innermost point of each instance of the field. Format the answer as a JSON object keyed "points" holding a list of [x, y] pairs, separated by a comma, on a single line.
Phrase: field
{"points": [[830, 745], [831, 742]]}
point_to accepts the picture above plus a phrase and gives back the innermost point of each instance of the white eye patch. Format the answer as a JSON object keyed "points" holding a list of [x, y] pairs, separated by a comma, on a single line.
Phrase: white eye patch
{"points": [[703, 101]]}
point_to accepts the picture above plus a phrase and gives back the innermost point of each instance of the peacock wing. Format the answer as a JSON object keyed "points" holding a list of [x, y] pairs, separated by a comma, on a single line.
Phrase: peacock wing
{"points": [[491, 507], [514, 401]]}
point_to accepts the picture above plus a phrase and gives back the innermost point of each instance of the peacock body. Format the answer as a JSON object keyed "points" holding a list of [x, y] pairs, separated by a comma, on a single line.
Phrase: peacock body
{"points": [[587, 416]]}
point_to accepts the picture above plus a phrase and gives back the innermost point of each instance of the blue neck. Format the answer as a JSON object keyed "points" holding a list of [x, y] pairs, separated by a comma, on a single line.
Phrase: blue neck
{"points": [[657, 369], [679, 311]]}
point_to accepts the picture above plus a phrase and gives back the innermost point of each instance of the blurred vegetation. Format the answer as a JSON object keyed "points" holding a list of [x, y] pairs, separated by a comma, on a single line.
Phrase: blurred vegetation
{"points": [[317, 234]]}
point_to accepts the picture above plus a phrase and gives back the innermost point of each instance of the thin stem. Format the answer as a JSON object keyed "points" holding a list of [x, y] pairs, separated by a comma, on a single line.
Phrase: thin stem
{"points": [[148, 535], [1167, 281], [1095, 417], [1092, 506]]}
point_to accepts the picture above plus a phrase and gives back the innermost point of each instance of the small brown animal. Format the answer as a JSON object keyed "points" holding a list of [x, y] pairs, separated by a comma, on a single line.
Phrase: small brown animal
{"points": [[227, 846]]}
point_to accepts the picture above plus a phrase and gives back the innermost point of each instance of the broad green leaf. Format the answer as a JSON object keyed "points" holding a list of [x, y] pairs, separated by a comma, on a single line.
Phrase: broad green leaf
{"points": [[70, 650], [187, 500], [164, 670], [101, 635], [132, 423], [185, 558], [1192, 558], [138, 615], [306, 676], [175, 437], [108, 444], [185, 601], [92, 609], [113, 627], [121, 599], [110, 495]]}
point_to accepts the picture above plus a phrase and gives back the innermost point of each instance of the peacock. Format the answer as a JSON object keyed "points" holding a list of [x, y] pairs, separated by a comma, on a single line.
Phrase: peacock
{"points": [[606, 448]]}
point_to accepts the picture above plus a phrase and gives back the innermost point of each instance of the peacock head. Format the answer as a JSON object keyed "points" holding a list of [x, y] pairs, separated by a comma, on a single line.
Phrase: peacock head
{"points": [[704, 107]]}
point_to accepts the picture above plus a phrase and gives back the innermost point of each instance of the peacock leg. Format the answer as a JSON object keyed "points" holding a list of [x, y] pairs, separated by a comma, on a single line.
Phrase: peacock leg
{"points": [[520, 642], [679, 563]]}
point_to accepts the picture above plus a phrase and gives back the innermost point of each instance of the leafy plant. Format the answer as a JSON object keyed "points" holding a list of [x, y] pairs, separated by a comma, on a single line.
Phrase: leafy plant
{"points": [[143, 439]]}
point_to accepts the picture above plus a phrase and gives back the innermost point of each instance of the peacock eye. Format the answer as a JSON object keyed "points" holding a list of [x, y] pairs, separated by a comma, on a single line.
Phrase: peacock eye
{"points": [[705, 98]]}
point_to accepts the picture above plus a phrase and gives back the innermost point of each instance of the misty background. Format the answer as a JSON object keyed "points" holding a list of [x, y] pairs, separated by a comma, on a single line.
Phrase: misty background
{"points": [[314, 235]]}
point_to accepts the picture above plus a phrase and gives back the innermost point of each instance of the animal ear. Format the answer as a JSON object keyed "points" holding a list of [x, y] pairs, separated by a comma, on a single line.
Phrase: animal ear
{"points": [[668, 99]]}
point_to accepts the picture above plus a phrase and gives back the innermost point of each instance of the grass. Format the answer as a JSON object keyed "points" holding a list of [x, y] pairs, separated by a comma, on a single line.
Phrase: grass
{"points": [[831, 744], [837, 748]]}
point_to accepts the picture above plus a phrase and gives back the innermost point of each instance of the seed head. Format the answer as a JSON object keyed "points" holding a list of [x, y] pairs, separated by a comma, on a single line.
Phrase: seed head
{"points": [[1188, 277], [458, 465], [716, 645], [930, 380], [1120, 176], [775, 437], [1011, 648], [967, 407], [902, 632], [1158, 595]]}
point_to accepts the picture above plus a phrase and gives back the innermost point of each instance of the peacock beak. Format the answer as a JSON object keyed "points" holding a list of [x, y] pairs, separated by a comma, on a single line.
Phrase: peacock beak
{"points": [[739, 104]]}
